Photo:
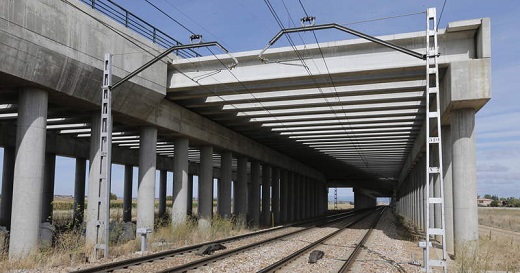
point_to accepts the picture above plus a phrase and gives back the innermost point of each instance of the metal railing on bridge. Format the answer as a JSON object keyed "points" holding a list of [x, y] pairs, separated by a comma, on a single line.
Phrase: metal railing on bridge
{"points": [[129, 20]]}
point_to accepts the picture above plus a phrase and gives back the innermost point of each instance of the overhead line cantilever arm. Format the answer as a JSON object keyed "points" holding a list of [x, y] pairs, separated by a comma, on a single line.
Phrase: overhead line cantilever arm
{"points": [[344, 29], [168, 51]]}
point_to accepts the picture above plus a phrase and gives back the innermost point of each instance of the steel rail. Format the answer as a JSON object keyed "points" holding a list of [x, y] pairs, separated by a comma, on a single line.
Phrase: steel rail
{"points": [[350, 261], [288, 259], [109, 267], [226, 254]]}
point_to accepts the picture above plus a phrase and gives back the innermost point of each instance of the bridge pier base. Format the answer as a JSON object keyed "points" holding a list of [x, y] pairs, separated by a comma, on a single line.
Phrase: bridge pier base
{"points": [[180, 181], [146, 186]]}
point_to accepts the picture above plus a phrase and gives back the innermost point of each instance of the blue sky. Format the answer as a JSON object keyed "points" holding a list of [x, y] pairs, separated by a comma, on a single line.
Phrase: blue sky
{"points": [[248, 25]]}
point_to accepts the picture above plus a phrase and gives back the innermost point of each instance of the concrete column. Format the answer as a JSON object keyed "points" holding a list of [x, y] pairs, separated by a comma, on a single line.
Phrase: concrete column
{"points": [[464, 173], [163, 176], [28, 172], [283, 196], [297, 197], [240, 199], [93, 183], [448, 188], [127, 194], [180, 181], [275, 202], [190, 194], [7, 187], [206, 186], [146, 186], [290, 198], [254, 195], [79, 192], [266, 195], [224, 186], [48, 187]]}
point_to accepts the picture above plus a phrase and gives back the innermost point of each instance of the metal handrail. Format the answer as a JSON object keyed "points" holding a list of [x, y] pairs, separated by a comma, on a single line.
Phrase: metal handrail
{"points": [[131, 21]]}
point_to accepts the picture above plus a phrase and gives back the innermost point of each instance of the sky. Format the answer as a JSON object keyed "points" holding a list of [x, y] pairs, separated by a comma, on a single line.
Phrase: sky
{"points": [[244, 25]]}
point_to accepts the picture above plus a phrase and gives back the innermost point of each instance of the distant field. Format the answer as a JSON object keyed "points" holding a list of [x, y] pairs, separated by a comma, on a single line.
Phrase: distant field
{"points": [[503, 218]]}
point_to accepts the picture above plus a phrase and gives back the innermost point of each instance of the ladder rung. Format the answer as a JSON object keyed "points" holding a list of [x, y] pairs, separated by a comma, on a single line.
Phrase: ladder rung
{"points": [[100, 246], [434, 170], [433, 90], [437, 263], [435, 200], [432, 70], [434, 140], [431, 32], [433, 114], [432, 53], [436, 231]]}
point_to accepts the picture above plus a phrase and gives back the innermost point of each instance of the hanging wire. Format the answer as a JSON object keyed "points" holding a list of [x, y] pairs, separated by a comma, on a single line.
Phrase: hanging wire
{"points": [[440, 16]]}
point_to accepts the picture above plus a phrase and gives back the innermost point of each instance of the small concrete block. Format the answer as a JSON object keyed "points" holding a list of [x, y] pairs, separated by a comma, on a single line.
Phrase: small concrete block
{"points": [[315, 256], [47, 231], [209, 249]]}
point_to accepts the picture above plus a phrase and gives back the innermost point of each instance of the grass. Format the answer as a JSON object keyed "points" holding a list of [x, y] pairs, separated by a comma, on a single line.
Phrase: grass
{"points": [[493, 254], [70, 245], [503, 218]]}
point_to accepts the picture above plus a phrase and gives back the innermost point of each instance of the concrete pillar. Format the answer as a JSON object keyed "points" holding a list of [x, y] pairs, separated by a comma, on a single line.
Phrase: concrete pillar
{"points": [[93, 183], [190, 194], [48, 187], [224, 186], [297, 197], [275, 188], [448, 188], [206, 186], [146, 186], [464, 173], [180, 181], [240, 199], [283, 196], [266, 195], [163, 176], [254, 195], [7, 187], [290, 198], [28, 172], [79, 192], [127, 193]]}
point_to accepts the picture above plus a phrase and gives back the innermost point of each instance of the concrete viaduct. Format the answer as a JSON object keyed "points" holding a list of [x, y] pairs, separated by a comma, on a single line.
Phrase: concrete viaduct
{"points": [[347, 113]]}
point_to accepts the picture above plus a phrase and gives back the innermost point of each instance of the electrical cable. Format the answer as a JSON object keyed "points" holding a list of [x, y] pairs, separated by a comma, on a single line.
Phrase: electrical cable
{"points": [[440, 16]]}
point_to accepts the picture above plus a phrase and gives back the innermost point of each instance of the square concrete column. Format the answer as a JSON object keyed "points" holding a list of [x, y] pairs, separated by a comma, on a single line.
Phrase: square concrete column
{"points": [[206, 186], [253, 200], [163, 176], [224, 186], [240, 198], [190, 194], [146, 184], [28, 172], [275, 203], [127, 194], [283, 196], [48, 187], [465, 213], [7, 187], [93, 184], [297, 197], [79, 192], [266, 195], [180, 181], [291, 192], [448, 188]]}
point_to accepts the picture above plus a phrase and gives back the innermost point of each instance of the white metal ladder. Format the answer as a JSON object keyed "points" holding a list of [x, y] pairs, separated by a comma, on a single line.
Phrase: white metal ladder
{"points": [[103, 213], [434, 173]]}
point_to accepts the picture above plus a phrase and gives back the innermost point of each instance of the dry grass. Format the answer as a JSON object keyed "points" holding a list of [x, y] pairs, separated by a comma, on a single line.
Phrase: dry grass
{"points": [[503, 218], [493, 254], [341, 205], [70, 245]]}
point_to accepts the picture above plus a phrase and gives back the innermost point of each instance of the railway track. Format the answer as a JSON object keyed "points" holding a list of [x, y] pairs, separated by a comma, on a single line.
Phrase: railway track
{"points": [[181, 253], [280, 265]]}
